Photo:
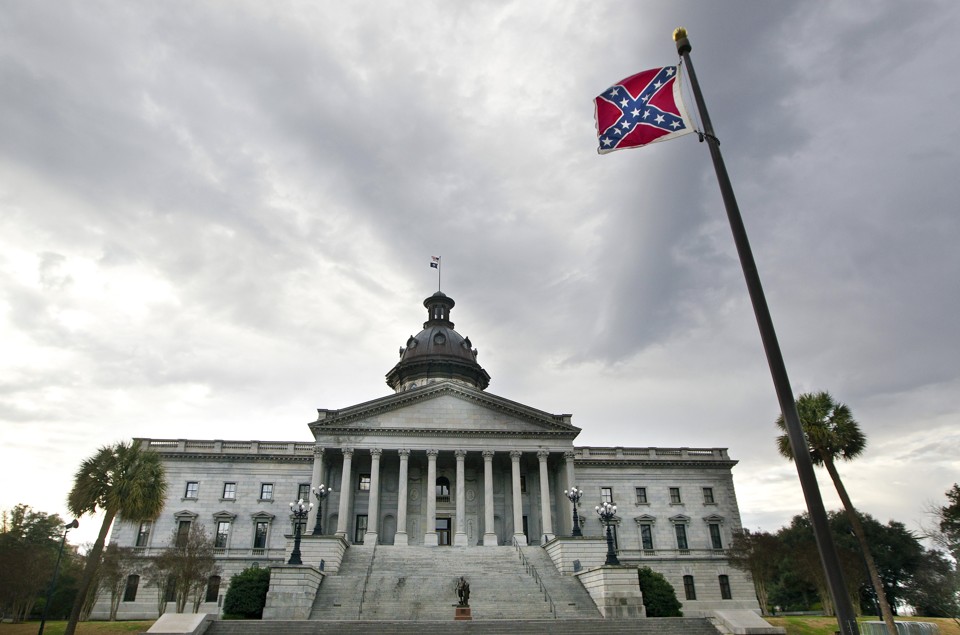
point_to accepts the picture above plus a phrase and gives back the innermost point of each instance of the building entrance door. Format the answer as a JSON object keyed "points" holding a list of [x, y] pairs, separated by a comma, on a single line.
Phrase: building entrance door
{"points": [[443, 532]]}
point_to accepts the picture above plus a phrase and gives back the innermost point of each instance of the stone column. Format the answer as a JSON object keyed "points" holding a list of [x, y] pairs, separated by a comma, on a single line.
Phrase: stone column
{"points": [[430, 536], [460, 535], [343, 512], [316, 478], [489, 535], [571, 481], [546, 526], [373, 506], [518, 535], [401, 536]]}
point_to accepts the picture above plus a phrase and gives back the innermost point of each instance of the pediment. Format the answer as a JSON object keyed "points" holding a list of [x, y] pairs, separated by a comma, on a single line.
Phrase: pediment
{"points": [[445, 407], [185, 514], [714, 518], [645, 518], [680, 519]]}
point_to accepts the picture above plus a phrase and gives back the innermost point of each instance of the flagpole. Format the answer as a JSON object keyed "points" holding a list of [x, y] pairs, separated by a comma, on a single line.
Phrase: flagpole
{"points": [[439, 262], [846, 618]]}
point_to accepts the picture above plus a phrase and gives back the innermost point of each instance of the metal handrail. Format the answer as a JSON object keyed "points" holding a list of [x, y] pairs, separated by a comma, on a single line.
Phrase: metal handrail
{"points": [[366, 579], [532, 571]]}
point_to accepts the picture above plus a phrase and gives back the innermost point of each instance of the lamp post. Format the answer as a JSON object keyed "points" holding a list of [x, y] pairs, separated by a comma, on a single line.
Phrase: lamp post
{"points": [[300, 511], [320, 493], [56, 572], [574, 495], [606, 512]]}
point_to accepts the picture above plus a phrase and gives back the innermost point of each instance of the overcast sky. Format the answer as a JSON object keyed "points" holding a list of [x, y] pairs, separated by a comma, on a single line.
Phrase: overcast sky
{"points": [[217, 217]]}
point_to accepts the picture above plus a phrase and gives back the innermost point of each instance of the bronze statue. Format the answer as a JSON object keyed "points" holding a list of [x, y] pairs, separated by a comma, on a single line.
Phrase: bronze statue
{"points": [[463, 592]]}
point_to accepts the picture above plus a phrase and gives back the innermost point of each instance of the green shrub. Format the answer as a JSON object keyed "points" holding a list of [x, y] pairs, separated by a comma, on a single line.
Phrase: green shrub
{"points": [[659, 597], [247, 594]]}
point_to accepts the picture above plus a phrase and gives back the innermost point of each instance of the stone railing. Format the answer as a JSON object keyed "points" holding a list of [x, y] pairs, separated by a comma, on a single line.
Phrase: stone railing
{"points": [[219, 446], [685, 454], [669, 554], [221, 552]]}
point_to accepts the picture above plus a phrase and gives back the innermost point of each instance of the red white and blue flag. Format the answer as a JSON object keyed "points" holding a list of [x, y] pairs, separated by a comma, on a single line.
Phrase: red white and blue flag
{"points": [[641, 109]]}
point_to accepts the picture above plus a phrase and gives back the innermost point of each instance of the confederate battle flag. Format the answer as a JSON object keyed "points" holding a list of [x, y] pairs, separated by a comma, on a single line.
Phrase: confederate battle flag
{"points": [[641, 109]]}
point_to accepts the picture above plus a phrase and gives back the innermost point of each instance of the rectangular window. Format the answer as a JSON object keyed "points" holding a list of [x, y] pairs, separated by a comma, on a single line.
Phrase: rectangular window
{"points": [[523, 483], [364, 483], [130, 592], [606, 495], [646, 536], [641, 496], [675, 496], [223, 531], [171, 589], [266, 491], [708, 496], [715, 536], [681, 531], [725, 592], [230, 491], [303, 492], [689, 590], [213, 589], [143, 534], [183, 532], [260, 535], [361, 529], [193, 487]]}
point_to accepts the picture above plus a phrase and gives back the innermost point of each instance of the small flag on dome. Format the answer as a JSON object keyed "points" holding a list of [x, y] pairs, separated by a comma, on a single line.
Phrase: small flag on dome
{"points": [[641, 109], [435, 262]]}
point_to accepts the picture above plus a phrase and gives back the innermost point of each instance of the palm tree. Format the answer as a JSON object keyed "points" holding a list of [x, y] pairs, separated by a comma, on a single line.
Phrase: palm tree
{"points": [[832, 433], [119, 479]]}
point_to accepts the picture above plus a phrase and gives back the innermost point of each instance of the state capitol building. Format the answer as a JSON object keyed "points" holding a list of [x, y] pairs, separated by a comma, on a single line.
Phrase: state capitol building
{"points": [[441, 463]]}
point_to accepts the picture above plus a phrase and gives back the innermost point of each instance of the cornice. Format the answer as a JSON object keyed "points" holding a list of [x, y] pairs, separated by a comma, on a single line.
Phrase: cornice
{"points": [[612, 462], [440, 432]]}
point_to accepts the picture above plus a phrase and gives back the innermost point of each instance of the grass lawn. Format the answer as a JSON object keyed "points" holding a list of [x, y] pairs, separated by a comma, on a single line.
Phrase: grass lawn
{"points": [[804, 625], [83, 628]]}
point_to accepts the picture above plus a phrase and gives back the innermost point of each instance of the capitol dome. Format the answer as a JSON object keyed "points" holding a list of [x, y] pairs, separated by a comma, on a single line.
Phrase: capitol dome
{"points": [[437, 353]]}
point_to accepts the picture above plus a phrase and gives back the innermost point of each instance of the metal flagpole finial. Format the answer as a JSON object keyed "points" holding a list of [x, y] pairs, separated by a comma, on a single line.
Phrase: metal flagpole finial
{"points": [[680, 37]]}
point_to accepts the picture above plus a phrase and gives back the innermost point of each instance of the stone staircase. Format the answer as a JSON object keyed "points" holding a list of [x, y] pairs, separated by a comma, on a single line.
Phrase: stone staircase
{"points": [[649, 626], [419, 584]]}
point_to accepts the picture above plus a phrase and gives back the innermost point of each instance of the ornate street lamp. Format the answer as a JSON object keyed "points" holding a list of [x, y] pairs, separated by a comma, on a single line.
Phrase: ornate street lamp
{"points": [[574, 495], [56, 571], [300, 511], [606, 512], [320, 492]]}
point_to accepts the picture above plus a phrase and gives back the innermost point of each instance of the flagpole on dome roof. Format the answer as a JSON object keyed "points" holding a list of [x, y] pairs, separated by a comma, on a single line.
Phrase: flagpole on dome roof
{"points": [[846, 618], [435, 264]]}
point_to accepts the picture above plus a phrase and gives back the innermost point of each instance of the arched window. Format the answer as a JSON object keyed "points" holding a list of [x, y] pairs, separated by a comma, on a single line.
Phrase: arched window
{"points": [[130, 592], [725, 592], [443, 489], [213, 588]]}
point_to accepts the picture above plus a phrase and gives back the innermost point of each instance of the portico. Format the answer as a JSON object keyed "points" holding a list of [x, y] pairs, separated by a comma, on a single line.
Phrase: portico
{"points": [[480, 496]]}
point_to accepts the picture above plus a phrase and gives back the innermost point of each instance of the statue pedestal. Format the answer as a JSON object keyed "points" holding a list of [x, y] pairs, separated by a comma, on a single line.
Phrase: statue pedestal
{"points": [[462, 613]]}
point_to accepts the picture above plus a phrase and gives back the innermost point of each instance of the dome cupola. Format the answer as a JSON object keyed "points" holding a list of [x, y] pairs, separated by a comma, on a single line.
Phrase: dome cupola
{"points": [[437, 352]]}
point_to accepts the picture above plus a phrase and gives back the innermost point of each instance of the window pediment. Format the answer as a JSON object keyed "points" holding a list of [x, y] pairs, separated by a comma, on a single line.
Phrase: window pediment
{"points": [[714, 518], [224, 515], [645, 518], [680, 519], [262, 516], [185, 514]]}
